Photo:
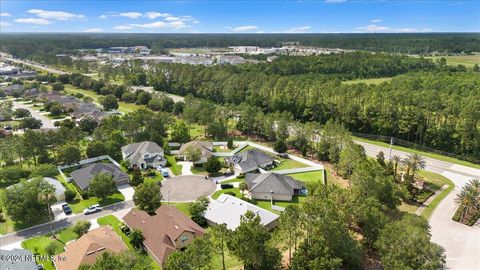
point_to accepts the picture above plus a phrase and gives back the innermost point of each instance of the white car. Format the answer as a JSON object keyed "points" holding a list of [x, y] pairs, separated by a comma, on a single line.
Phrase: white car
{"points": [[92, 209]]}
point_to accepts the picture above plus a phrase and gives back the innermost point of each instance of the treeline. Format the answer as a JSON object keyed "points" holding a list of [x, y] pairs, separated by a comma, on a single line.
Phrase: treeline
{"points": [[412, 43], [436, 108]]}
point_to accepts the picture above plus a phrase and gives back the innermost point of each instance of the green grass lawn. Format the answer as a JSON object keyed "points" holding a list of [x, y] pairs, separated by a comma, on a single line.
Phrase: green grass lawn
{"points": [[233, 180], [267, 205], [197, 131], [182, 207], [234, 190], [38, 244], [287, 163], [466, 60], [114, 222], [223, 149], [176, 168], [309, 177], [425, 154], [157, 178], [369, 81], [78, 205]]}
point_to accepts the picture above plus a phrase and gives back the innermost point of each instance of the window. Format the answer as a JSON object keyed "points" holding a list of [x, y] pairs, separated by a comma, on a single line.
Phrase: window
{"points": [[184, 239]]}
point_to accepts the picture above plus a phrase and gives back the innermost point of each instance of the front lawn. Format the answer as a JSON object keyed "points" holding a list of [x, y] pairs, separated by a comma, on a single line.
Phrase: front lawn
{"points": [[78, 205], [115, 222], [38, 244], [182, 207], [176, 168], [236, 191]]}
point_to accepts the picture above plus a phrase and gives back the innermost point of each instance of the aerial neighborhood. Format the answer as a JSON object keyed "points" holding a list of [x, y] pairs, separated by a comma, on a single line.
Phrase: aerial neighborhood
{"points": [[262, 148]]}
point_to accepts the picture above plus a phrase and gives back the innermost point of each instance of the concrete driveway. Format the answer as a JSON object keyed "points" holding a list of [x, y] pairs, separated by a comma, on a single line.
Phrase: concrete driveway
{"points": [[127, 191], [186, 188]]}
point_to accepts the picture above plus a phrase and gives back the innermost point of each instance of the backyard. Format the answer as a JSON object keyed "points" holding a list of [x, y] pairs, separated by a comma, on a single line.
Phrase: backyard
{"points": [[38, 244]]}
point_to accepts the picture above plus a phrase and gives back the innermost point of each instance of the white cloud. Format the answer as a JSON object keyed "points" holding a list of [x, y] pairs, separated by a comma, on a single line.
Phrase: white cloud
{"points": [[373, 28], [122, 27], [153, 14], [131, 15], [103, 17], [161, 25], [300, 29], [260, 32], [335, 1], [376, 20], [5, 14], [4, 24], [244, 28], [93, 30], [56, 15], [33, 21], [172, 18]]}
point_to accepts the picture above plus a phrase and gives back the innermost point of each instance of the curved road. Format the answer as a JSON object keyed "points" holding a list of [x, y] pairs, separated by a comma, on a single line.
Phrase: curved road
{"points": [[46, 122], [461, 242]]}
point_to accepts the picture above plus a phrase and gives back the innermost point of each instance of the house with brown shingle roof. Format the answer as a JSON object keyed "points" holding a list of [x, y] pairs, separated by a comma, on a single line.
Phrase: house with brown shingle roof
{"points": [[165, 232], [86, 249]]}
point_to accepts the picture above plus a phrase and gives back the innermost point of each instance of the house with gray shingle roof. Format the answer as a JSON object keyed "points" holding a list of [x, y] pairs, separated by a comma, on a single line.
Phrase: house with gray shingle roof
{"points": [[144, 155], [268, 186], [204, 147], [17, 259], [84, 176], [250, 160]]}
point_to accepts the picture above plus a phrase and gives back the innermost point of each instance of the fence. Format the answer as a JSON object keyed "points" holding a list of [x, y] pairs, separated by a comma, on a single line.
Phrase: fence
{"points": [[408, 144]]}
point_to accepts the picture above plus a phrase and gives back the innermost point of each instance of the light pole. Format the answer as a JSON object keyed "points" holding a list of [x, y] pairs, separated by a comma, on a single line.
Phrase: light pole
{"points": [[391, 143]]}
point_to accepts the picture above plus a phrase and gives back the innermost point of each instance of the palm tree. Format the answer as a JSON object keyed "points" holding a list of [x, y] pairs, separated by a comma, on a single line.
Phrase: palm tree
{"points": [[396, 160], [417, 162], [466, 200], [407, 165], [47, 195], [243, 186]]}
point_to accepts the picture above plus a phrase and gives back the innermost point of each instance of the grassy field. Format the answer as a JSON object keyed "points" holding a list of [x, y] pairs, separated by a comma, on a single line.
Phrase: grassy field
{"points": [[122, 106], [466, 60], [182, 207], [422, 153], [114, 222], [308, 177], [196, 131], [369, 81], [38, 244]]}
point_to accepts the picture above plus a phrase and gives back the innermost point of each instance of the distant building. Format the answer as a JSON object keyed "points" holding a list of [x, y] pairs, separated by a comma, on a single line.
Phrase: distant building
{"points": [[17, 259], [228, 210], [87, 248], [165, 232], [84, 176], [244, 49]]}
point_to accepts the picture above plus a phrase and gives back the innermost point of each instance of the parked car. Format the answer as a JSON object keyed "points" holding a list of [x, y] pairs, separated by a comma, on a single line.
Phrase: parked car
{"points": [[66, 209], [159, 168], [165, 173], [92, 209]]}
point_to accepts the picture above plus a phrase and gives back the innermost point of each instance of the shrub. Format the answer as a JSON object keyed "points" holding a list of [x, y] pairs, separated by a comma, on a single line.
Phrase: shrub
{"points": [[45, 170], [81, 227], [226, 186], [51, 248], [252, 201], [231, 193], [70, 195]]}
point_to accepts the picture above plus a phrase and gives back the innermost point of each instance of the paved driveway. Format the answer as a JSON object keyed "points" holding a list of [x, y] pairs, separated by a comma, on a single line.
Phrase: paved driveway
{"points": [[46, 122], [127, 191], [186, 188]]}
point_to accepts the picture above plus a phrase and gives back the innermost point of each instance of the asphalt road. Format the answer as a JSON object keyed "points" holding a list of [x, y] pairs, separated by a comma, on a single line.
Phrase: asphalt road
{"points": [[60, 224], [46, 122], [461, 242], [35, 65]]}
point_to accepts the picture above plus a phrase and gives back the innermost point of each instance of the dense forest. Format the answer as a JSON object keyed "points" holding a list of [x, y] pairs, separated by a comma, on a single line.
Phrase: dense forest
{"points": [[412, 43], [436, 106]]}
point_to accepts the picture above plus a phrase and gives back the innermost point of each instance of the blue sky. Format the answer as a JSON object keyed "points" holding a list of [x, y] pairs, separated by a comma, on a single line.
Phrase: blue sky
{"points": [[329, 16]]}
